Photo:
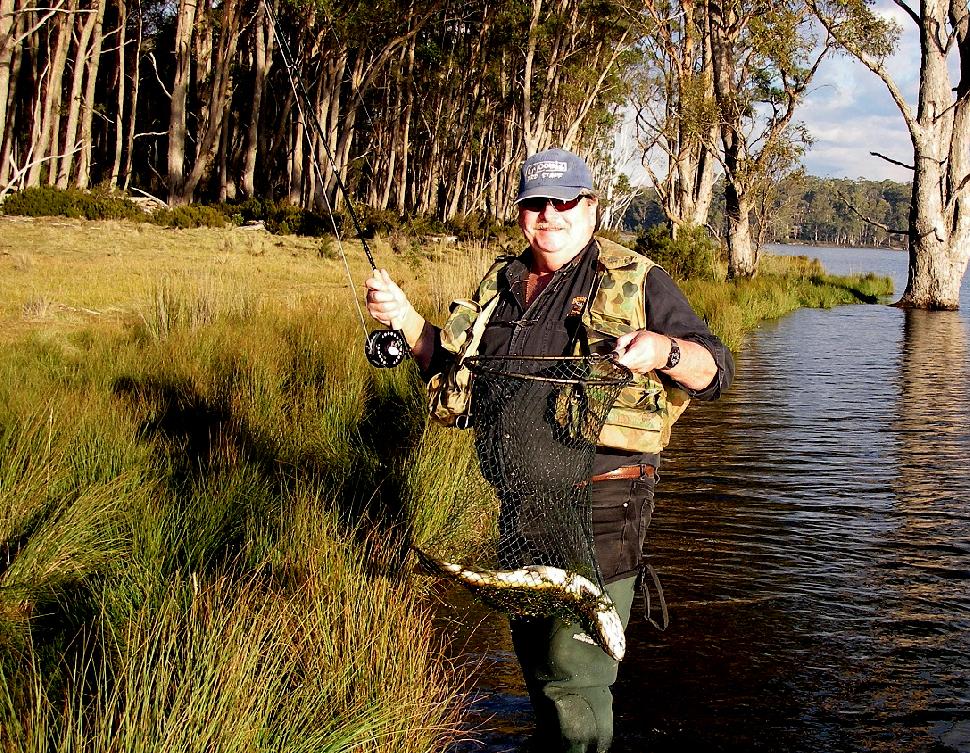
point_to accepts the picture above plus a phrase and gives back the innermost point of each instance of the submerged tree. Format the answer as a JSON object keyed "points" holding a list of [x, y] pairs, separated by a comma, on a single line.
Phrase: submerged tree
{"points": [[939, 221]]}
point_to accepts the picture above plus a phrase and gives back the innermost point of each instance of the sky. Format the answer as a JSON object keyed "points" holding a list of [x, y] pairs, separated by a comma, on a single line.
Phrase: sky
{"points": [[849, 112]]}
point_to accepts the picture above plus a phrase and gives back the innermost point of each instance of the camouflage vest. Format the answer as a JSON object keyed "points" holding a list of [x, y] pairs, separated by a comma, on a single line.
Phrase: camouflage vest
{"points": [[644, 412]]}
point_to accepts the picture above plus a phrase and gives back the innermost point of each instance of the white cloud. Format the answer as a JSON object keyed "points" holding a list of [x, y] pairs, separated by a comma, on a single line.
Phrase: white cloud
{"points": [[849, 113]]}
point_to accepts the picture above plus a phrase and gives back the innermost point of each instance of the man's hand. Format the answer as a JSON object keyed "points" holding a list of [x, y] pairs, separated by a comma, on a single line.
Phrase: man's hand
{"points": [[642, 351], [386, 302]]}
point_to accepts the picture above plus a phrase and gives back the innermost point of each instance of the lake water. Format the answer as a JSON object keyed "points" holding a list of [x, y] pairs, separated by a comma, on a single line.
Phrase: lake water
{"points": [[813, 539]]}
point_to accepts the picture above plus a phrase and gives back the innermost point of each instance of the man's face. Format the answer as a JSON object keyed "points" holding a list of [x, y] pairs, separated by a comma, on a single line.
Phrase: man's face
{"points": [[558, 234]]}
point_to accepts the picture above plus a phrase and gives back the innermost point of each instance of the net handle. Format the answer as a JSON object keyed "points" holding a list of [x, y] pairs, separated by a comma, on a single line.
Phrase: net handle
{"points": [[480, 365]]}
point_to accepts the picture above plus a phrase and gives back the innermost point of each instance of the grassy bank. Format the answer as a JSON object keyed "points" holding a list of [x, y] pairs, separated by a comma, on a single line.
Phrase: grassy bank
{"points": [[206, 492], [784, 284]]}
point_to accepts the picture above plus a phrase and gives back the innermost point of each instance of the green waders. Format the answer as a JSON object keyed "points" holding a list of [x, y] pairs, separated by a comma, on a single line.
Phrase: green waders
{"points": [[569, 677]]}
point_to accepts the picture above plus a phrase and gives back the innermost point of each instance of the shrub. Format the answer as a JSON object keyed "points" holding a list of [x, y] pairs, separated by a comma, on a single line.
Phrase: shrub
{"points": [[693, 255], [189, 216], [249, 210], [377, 221], [47, 201], [424, 224], [400, 242], [329, 248], [282, 219], [475, 226]]}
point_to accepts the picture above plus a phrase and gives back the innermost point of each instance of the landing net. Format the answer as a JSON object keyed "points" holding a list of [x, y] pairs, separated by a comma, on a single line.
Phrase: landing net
{"points": [[537, 421]]}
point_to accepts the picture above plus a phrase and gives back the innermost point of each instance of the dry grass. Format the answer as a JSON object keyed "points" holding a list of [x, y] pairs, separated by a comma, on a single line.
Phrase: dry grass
{"points": [[113, 270]]}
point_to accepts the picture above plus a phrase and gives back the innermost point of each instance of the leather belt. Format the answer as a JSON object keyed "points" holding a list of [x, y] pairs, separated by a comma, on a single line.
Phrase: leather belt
{"points": [[625, 472]]}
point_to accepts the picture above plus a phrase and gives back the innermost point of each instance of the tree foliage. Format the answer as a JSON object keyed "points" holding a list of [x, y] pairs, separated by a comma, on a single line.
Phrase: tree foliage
{"points": [[427, 106]]}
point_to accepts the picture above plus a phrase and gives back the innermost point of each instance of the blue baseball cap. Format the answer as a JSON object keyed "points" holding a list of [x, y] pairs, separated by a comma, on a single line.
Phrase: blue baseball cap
{"points": [[554, 174]]}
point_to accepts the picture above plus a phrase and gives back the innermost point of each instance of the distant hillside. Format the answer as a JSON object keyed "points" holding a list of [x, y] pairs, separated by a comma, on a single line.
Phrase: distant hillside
{"points": [[808, 209]]}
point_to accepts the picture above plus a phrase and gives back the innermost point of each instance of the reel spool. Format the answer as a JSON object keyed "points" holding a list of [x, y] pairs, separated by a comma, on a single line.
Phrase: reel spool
{"points": [[386, 348]]}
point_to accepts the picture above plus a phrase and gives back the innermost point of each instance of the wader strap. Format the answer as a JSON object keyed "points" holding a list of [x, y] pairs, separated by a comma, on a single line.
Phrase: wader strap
{"points": [[644, 588]]}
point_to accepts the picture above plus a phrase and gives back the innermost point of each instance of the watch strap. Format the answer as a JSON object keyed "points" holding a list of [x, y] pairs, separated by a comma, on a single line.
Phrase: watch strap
{"points": [[674, 358]]}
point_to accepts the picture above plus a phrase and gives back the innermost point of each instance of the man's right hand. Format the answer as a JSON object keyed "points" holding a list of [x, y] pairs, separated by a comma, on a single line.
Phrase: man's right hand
{"points": [[386, 302]]}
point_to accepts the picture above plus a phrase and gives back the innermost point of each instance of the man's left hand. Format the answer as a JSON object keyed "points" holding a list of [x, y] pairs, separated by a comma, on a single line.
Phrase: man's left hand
{"points": [[642, 351]]}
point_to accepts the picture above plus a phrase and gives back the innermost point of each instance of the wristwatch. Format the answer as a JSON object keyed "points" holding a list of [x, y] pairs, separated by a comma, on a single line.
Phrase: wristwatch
{"points": [[674, 358]]}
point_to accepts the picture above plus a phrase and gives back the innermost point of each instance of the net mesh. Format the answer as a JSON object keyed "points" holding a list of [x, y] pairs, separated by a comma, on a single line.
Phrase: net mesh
{"points": [[537, 421]]}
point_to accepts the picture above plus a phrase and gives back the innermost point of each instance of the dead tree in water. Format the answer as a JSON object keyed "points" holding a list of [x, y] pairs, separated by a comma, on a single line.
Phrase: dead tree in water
{"points": [[939, 221]]}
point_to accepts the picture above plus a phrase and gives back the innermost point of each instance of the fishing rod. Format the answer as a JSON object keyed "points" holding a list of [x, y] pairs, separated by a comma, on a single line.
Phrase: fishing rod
{"points": [[383, 348]]}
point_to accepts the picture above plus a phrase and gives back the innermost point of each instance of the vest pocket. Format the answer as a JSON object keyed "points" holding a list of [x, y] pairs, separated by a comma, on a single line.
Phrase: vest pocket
{"points": [[633, 429]]}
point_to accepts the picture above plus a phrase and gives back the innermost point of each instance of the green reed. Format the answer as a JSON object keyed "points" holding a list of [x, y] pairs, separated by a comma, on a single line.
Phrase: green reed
{"points": [[734, 308], [200, 528]]}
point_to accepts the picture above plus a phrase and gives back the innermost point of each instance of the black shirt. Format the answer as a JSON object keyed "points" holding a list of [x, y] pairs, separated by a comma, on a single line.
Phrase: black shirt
{"points": [[546, 327]]}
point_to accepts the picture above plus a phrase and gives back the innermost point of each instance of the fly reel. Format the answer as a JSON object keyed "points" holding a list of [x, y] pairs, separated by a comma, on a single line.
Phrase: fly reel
{"points": [[386, 348]]}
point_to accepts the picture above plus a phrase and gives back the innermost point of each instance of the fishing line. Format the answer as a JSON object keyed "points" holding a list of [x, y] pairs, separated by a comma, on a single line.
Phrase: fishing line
{"points": [[383, 348]]}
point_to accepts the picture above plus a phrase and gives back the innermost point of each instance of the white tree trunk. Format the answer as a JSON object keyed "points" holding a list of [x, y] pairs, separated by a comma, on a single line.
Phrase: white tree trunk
{"points": [[81, 57], [177, 130], [120, 99], [46, 111], [939, 243], [262, 61]]}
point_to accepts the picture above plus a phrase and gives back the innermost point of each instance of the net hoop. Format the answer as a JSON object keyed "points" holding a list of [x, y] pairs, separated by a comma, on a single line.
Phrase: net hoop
{"points": [[493, 365]]}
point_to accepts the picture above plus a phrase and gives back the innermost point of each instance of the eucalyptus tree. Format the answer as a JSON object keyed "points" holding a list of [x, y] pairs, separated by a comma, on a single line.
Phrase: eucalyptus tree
{"points": [[50, 57], [559, 72], [259, 52], [572, 52], [939, 127], [206, 37], [481, 86], [436, 100], [86, 59], [675, 110], [765, 54]]}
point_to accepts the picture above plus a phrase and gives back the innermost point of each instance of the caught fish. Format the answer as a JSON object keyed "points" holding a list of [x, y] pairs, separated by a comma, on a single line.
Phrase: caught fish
{"points": [[542, 590]]}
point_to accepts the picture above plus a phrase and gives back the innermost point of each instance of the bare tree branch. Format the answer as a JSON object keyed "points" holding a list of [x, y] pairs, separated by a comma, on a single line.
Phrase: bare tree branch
{"points": [[892, 161], [955, 196], [158, 78], [909, 11], [20, 172], [869, 220], [150, 196]]}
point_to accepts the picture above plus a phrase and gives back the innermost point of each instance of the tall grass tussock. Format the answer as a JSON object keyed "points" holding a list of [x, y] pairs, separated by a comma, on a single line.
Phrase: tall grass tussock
{"points": [[207, 495]]}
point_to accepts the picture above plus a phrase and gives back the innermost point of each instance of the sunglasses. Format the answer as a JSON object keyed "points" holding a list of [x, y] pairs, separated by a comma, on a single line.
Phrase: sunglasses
{"points": [[538, 203]]}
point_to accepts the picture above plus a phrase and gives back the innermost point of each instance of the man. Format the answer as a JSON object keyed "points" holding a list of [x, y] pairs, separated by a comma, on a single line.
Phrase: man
{"points": [[673, 356]]}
